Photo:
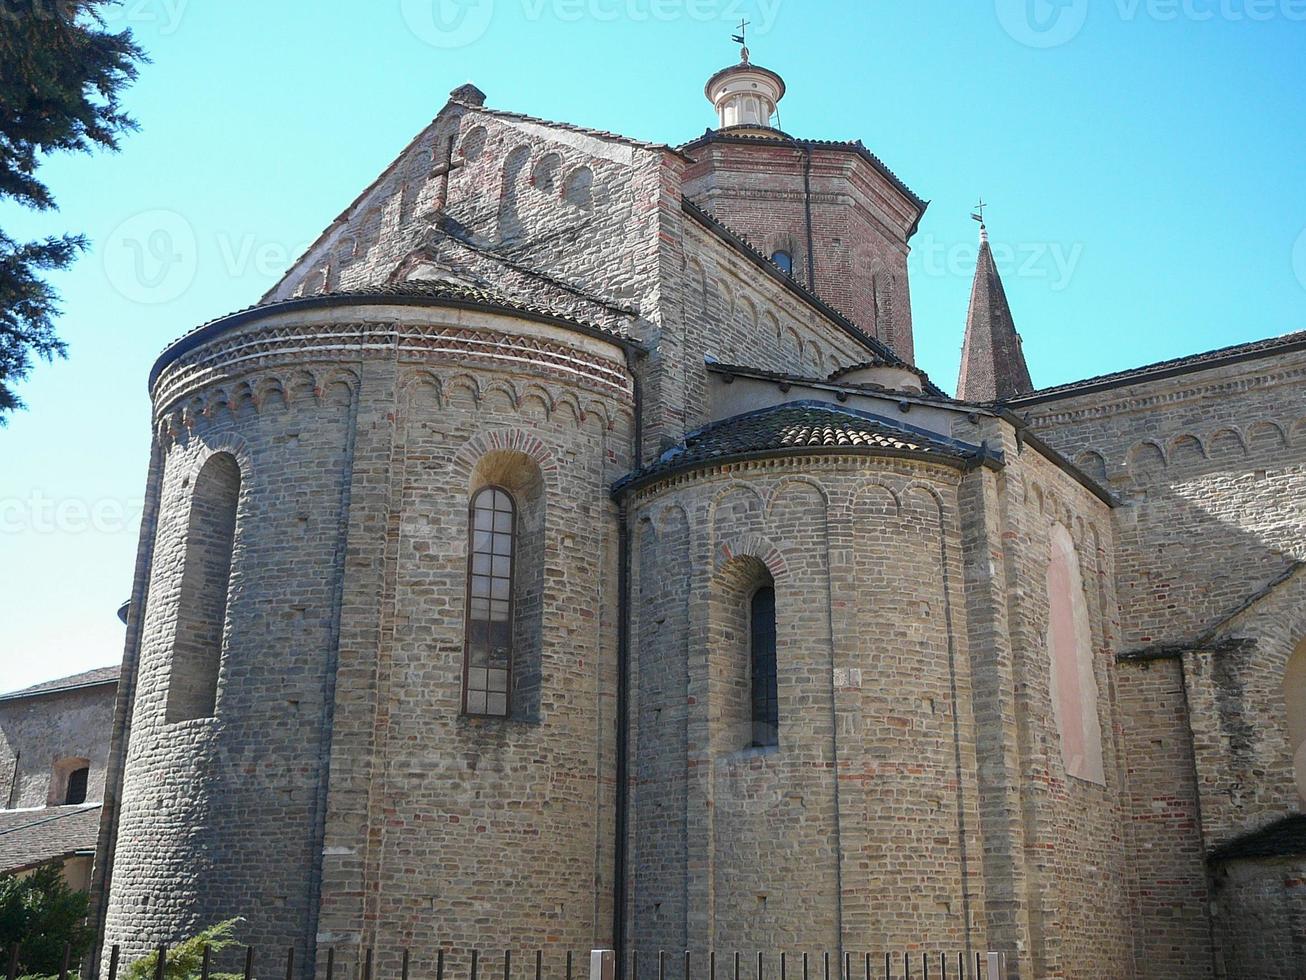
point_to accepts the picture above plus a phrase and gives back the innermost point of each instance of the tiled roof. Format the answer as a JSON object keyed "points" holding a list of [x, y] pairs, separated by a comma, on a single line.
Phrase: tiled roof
{"points": [[1177, 365], [853, 146], [806, 426], [1284, 838], [32, 837], [89, 678], [410, 291]]}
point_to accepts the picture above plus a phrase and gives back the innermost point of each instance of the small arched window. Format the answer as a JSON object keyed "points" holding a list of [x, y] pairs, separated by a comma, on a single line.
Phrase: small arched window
{"points": [[77, 781], [579, 189], [487, 661], [762, 669], [784, 260], [205, 577]]}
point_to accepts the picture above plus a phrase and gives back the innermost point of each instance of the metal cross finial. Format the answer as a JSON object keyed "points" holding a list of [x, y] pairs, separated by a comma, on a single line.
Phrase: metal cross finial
{"points": [[740, 39], [978, 213]]}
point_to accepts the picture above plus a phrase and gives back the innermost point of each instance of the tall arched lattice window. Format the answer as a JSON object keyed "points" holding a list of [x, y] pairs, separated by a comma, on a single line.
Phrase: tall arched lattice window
{"points": [[487, 662], [202, 606], [1294, 694], [762, 672]]}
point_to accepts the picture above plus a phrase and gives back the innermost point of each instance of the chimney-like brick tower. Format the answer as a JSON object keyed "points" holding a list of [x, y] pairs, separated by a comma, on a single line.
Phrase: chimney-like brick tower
{"points": [[830, 213]]}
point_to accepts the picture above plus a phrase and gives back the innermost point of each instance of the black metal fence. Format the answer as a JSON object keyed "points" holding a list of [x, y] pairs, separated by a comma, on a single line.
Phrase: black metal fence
{"points": [[449, 963]]}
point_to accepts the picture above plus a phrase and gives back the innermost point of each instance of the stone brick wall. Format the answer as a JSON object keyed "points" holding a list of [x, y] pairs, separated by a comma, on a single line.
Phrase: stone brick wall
{"points": [[1210, 465], [860, 224], [1054, 865], [338, 795], [1260, 907], [907, 801], [37, 733]]}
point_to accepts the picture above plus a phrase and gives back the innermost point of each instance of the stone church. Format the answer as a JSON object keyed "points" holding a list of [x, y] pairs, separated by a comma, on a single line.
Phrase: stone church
{"points": [[567, 551]]}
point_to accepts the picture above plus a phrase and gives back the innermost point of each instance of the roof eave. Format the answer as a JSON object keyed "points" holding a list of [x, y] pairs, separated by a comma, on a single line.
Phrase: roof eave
{"points": [[214, 328], [637, 481]]}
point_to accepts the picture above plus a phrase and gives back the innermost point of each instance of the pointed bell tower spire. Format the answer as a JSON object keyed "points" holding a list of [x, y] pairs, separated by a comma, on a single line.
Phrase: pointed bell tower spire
{"points": [[992, 363]]}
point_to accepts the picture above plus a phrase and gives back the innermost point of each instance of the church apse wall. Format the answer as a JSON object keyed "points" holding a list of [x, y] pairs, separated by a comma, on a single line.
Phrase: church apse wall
{"points": [[853, 828], [362, 438]]}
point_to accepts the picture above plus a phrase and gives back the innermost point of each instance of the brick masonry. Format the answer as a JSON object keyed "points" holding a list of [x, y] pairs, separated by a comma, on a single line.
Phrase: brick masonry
{"points": [[918, 795]]}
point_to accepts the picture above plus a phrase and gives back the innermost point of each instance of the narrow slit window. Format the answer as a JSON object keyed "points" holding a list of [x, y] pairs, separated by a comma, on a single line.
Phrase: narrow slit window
{"points": [[765, 700], [487, 670]]}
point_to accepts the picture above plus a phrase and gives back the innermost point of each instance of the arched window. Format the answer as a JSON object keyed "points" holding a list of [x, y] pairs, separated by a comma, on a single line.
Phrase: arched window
{"points": [[68, 782], [761, 641], [202, 606], [1294, 693], [784, 260], [77, 780], [487, 662], [579, 189]]}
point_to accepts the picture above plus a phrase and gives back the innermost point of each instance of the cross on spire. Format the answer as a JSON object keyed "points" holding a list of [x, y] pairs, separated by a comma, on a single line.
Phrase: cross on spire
{"points": [[741, 39], [978, 213]]}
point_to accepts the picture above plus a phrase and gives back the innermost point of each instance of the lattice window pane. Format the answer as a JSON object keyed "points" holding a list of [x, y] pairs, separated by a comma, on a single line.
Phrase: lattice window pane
{"points": [[488, 669]]}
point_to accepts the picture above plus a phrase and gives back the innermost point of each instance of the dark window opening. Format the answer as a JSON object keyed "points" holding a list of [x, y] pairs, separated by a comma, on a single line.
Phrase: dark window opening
{"points": [[76, 792], [487, 663], [784, 260], [765, 703]]}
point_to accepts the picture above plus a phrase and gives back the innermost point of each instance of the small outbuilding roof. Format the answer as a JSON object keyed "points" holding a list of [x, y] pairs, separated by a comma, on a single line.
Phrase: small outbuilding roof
{"points": [[33, 837], [88, 678]]}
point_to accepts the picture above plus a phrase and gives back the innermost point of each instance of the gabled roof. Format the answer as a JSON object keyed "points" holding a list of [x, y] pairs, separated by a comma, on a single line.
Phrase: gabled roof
{"points": [[1283, 838], [992, 363], [88, 678], [1268, 347], [805, 428]]}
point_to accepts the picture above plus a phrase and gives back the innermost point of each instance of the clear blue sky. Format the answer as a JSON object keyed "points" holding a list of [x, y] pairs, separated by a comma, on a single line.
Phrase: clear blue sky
{"points": [[1143, 159]]}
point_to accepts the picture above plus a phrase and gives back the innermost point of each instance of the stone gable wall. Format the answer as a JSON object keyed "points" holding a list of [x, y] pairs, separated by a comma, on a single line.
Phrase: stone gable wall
{"points": [[38, 732]]}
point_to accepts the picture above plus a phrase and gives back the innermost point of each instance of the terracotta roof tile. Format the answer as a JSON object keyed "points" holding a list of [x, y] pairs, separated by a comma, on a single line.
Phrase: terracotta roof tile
{"points": [[805, 425]]}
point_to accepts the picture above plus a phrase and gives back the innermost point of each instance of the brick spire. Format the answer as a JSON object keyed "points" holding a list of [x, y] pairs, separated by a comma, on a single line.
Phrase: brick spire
{"points": [[992, 364]]}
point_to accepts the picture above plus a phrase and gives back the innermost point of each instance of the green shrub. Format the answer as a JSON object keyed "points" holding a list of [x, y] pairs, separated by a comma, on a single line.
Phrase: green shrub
{"points": [[185, 958], [41, 913]]}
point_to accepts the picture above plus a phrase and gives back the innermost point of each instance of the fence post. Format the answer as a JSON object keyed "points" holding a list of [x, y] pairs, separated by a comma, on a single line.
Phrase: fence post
{"points": [[114, 955], [603, 964], [161, 964], [13, 961]]}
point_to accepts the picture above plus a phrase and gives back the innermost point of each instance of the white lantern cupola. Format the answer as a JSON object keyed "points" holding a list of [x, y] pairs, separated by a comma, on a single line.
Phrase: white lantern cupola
{"points": [[745, 96]]}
